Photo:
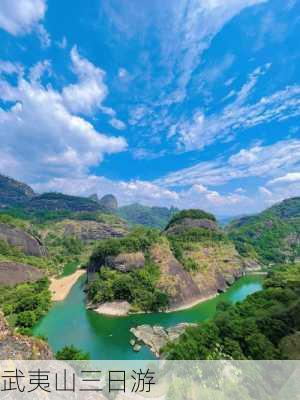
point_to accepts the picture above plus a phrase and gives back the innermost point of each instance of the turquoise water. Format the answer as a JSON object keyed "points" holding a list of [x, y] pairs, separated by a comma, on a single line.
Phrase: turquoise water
{"points": [[68, 322]]}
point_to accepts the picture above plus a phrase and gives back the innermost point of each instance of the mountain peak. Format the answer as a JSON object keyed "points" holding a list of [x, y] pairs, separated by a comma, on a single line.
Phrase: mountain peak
{"points": [[109, 202], [13, 192]]}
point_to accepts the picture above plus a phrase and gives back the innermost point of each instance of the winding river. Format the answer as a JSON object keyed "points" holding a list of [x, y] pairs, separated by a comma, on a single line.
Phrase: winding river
{"points": [[68, 322]]}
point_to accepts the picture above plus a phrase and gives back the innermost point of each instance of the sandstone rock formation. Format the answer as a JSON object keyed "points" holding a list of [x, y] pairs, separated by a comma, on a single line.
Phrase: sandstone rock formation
{"points": [[18, 238], [109, 202], [189, 223], [174, 280], [88, 231], [13, 193], [12, 273], [156, 337], [126, 262]]}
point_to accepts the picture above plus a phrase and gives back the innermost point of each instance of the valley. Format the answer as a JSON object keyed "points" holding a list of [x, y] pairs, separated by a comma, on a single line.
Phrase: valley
{"points": [[68, 261]]}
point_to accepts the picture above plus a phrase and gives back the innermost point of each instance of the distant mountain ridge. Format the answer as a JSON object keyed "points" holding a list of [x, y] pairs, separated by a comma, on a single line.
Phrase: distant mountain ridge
{"points": [[154, 217], [17, 194]]}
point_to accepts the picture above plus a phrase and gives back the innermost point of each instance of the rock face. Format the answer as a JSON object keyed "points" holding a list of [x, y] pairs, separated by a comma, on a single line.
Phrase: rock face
{"points": [[126, 262], [12, 273], [157, 337], [88, 231], [174, 280], [18, 238], [190, 223], [18, 347], [217, 266], [13, 193], [109, 202]]}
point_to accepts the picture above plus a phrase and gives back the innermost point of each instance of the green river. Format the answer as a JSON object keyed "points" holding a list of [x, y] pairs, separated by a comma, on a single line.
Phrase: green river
{"points": [[68, 322]]}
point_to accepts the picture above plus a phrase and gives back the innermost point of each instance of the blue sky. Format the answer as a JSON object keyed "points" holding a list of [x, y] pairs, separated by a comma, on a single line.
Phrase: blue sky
{"points": [[191, 103]]}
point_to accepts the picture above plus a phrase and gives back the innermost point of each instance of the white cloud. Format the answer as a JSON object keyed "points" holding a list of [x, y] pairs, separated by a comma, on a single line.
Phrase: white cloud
{"points": [[63, 43], [44, 36], [86, 96], [117, 123], [258, 161], [147, 193], [126, 192], [39, 69], [9, 68], [237, 116], [291, 177], [41, 138], [195, 24], [19, 17]]}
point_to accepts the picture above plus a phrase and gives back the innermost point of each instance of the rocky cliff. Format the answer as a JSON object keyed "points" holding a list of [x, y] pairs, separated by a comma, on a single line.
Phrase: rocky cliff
{"points": [[109, 202], [13, 193], [13, 273], [61, 202], [89, 231], [22, 240], [197, 259], [19, 347]]}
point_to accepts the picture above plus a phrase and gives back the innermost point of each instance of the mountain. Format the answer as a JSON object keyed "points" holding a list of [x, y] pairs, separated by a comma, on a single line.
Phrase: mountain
{"points": [[62, 202], [192, 259], [13, 193], [155, 217], [272, 236]]}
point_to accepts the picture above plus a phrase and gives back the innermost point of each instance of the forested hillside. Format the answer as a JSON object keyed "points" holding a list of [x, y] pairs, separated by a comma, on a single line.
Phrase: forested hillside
{"points": [[154, 217], [272, 236], [264, 326]]}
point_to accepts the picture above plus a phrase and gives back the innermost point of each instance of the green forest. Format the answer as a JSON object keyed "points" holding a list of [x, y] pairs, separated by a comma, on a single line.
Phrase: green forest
{"points": [[264, 326]]}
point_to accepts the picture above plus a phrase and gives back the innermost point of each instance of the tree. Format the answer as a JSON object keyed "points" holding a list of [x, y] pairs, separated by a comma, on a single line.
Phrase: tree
{"points": [[71, 353]]}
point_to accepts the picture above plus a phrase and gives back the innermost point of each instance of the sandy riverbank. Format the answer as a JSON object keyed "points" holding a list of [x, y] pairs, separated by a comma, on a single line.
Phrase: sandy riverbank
{"points": [[122, 308], [114, 308], [192, 304], [60, 287]]}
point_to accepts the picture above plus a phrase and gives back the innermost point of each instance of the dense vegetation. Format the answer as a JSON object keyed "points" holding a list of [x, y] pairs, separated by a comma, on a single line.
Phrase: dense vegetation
{"points": [[262, 327], [189, 240], [24, 304], [272, 236], [140, 239], [138, 286], [154, 217], [71, 353], [193, 214]]}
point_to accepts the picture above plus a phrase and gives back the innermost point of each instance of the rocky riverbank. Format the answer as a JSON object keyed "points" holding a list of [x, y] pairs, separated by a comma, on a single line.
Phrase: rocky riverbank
{"points": [[156, 337]]}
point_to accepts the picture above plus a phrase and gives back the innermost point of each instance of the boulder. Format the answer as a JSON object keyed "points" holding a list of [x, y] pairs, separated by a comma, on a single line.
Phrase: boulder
{"points": [[89, 231], [12, 273], [126, 262], [156, 337], [23, 240], [189, 223], [109, 202]]}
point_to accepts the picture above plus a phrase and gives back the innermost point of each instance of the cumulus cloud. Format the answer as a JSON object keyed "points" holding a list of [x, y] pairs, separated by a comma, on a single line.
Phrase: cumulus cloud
{"points": [[41, 138], [147, 193], [87, 94], [194, 187], [19, 17]]}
